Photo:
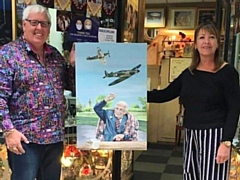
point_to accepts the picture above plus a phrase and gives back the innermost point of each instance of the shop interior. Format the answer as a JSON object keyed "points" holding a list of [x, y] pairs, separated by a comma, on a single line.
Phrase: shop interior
{"points": [[169, 48]]}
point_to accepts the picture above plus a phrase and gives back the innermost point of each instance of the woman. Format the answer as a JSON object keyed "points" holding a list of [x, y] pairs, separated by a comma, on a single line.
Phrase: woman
{"points": [[209, 91]]}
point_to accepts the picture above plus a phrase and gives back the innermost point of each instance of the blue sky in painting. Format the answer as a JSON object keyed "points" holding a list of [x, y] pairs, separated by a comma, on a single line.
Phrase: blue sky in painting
{"points": [[123, 56]]}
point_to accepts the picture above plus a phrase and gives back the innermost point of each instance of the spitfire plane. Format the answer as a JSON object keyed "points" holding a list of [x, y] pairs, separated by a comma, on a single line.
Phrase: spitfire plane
{"points": [[100, 55], [122, 74]]}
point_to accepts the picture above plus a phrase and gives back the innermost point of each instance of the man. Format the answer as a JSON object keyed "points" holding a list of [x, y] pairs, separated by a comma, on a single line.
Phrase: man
{"points": [[32, 103], [116, 124]]}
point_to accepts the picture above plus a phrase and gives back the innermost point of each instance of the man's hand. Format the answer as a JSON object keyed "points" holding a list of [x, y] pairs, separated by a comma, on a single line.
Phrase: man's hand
{"points": [[118, 137], [13, 142], [110, 97]]}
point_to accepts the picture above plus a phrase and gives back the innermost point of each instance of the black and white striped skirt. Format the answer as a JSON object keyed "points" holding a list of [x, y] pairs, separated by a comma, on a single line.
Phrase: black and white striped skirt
{"points": [[200, 151]]}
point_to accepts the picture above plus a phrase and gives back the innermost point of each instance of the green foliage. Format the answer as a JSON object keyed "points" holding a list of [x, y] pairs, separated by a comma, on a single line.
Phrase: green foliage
{"points": [[136, 110], [102, 97], [87, 109], [135, 106], [143, 101]]}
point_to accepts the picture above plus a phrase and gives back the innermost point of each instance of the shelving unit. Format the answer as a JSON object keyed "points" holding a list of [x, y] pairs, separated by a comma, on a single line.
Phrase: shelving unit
{"points": [[178, 48]]}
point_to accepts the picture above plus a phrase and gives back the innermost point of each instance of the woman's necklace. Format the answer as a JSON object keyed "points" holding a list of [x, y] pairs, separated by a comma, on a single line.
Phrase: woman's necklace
{"points": [[78, 5]]}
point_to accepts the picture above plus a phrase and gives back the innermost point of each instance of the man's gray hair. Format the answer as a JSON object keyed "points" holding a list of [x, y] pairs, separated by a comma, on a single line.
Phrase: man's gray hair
{"points": [[35, 8], [122, 103]]}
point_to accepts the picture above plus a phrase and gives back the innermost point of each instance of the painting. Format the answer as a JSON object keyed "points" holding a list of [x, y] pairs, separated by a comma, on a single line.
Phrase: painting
{"points": [[206, 15], [154, 18], [176, 66], [111, 111], [182, 18], [130, 33]]}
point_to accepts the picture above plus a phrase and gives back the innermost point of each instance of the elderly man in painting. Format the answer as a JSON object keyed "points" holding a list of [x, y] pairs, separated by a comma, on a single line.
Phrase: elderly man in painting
{"points": [[116, 124]]}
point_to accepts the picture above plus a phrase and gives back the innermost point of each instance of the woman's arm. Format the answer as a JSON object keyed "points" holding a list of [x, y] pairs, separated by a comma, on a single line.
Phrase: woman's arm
{"points": [[169, 93]]}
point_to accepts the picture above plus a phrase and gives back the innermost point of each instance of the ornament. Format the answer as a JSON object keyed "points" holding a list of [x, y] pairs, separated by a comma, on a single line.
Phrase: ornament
{"points": [[63, 3], [46, 1], [109, 8], [78, 5]]}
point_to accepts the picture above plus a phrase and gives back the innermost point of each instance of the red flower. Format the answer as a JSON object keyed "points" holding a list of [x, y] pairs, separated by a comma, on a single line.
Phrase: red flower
{"points": [[86, 171], [71, 151]]}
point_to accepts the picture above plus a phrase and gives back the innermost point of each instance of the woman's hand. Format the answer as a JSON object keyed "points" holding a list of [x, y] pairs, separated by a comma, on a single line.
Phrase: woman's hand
{"points": [[223, 153]]}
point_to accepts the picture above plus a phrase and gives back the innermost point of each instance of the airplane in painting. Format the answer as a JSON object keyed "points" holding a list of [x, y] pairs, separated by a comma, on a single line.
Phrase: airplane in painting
{"points": [[122, 74], [100, 55]]}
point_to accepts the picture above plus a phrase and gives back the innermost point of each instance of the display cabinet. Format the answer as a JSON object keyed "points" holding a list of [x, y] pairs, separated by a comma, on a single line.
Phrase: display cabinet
{"points": [[80, 164], [235, 160]]}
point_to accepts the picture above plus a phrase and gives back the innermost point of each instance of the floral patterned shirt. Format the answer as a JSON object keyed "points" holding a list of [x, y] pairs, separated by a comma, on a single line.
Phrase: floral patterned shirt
{"points": [[31, 93]]}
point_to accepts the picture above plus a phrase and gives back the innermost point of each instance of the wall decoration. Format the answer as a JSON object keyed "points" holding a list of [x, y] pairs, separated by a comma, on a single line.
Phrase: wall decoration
{"points": [[107, 19], [46, 3], [28, 2], [123, 74], [154, 18], [79, 6], [94, 8], [206, 15], [182, 18], [83, 29], [63, 20], [176, 66], [64, 5], [131, 21]]}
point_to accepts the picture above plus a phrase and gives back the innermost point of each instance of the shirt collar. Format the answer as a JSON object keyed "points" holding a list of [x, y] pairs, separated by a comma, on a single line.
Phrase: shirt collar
{"points": [[28, 47]]}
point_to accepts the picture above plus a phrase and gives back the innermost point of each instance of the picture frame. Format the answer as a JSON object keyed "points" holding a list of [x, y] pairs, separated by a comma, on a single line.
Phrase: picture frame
{"points": [[154, 18], [182, 18], [176, 66], [206, 15]]}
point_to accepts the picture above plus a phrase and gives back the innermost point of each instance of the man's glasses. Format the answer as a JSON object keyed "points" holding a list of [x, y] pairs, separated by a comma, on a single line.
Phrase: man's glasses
{"points": [[36, 22]]}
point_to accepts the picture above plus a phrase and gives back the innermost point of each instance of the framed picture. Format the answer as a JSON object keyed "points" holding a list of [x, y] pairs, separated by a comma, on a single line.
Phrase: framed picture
{"points": [[130, 21], [154, 18], [176, 66], [182, 18], [206, 15]]}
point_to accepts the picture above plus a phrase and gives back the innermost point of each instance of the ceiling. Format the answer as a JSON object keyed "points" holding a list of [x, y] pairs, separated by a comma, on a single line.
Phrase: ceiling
{"points": [[176, 1]]}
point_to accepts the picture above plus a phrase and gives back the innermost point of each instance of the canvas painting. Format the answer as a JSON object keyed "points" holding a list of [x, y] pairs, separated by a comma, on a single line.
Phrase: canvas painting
{"points": [[111, 86]]}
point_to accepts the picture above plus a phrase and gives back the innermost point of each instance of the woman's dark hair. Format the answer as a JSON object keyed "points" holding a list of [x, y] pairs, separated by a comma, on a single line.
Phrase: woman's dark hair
{"points": [[212, 29]]}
